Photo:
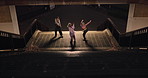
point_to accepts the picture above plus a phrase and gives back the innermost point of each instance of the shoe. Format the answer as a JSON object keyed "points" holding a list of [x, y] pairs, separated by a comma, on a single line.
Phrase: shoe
{"points": [[54, 36], [84, 40], [61, 36]]}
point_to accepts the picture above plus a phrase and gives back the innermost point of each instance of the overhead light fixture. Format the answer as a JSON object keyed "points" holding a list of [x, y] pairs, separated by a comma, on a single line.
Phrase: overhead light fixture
{"points": [[63, 2], [99, 5], [84, 2], [52, 5]]}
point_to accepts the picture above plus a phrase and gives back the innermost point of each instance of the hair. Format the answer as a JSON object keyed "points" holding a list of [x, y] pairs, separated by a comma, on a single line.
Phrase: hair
{"points": [[69, 24], [56, 16]]}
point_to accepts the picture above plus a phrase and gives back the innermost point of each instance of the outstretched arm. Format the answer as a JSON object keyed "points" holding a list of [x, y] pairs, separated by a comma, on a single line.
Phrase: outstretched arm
{"points": [[73, 26], [82, 22], [88, 23], [68, 24]]}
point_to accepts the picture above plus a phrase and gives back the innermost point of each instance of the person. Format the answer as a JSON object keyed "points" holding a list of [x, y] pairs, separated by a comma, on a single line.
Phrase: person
{"points": [[71, 28], [84, 27], [58, 27]]}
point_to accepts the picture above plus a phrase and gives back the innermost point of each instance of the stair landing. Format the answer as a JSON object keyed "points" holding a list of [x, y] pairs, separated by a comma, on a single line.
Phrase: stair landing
{"points": [[96, 40]]}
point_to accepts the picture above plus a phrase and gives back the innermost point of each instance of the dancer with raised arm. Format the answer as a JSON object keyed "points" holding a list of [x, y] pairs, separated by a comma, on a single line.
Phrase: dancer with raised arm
{"points": [[84, 27], [71, 28]]}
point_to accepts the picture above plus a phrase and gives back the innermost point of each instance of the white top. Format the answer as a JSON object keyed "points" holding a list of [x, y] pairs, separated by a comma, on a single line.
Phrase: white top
{"points": [[71, 29], [58, 22]]}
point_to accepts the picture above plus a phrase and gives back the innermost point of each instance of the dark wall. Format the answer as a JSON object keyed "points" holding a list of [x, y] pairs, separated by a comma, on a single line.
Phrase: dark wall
{"points": [[118, 10], [118, 13], [74, 14], [27, 12]]}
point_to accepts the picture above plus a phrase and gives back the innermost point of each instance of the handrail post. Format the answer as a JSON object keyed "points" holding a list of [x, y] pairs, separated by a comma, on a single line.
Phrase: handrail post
{"points": [[119, 36], [147, 37], [36, 25], [12, 45], [24, 41], [130, 43]]}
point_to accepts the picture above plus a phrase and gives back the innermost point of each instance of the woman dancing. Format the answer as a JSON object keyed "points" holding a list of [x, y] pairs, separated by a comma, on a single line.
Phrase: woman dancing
{"points": [[84, 27]]}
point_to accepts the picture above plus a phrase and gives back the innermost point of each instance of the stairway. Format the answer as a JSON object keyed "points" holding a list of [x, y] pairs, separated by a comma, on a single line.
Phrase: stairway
{"points": [[96, 40], [87, 59]]}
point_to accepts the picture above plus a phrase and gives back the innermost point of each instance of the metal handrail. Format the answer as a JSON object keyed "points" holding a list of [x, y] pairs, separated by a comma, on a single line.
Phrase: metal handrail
{"points": [[136, 38], [15, 40], [113, 24], [32, 23]]}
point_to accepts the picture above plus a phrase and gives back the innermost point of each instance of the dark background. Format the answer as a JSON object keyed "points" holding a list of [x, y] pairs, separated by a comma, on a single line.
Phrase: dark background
{"points": [[74, 13]]}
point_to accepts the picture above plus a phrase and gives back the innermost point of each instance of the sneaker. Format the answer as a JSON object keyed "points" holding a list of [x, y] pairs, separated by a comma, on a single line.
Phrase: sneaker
{"points": [[61, 36], [84, 40]]}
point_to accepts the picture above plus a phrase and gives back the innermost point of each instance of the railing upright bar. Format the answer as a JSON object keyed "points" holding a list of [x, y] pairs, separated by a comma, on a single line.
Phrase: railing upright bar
{"points": [[12, 44], [147, 36], [131, 40], [12, 38]]}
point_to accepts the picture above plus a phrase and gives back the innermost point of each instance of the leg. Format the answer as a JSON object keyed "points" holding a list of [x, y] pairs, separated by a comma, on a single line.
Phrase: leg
{"points": [[55, 33], [84, 33], [74, 38], [60, 31], [71, 40]]}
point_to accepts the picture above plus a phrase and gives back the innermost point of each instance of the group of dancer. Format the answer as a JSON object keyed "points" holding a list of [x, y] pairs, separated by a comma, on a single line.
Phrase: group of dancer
{"points": [[71, 27], [58, 26]]}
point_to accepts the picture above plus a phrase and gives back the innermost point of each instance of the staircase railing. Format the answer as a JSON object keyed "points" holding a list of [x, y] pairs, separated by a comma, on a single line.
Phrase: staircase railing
{"points": [[10, 41], [111, 26], [35, 25], [15, 41], [136, 39]]}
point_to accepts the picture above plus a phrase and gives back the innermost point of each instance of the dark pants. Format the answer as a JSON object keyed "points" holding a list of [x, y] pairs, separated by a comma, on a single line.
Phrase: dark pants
{"points": [[58, 29], [84, 33]]}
